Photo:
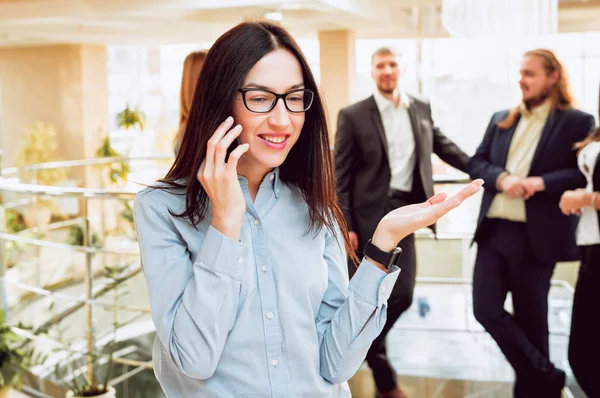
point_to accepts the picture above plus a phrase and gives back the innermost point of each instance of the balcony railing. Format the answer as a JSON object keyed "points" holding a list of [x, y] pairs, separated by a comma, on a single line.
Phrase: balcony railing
{"points": [[87, 290]]}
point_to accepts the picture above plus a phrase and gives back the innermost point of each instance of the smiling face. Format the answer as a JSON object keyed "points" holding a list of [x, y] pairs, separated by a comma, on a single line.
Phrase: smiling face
{"points": [[271, 135]]}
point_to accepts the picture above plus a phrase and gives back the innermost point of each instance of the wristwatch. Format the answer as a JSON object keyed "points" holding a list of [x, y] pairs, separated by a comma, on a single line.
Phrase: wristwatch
{"points": [[388, 259]]}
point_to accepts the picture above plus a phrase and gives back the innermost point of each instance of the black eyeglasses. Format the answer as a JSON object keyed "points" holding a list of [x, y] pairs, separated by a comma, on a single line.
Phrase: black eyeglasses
{"points": [[262, 101]]}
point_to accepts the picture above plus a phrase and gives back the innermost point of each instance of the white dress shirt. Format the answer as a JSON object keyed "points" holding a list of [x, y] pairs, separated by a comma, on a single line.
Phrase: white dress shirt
{"points": [[588, 232], [400, 140]]}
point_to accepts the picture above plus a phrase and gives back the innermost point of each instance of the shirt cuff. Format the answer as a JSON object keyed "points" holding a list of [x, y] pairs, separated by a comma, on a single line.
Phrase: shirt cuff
{"points": [[373, 284], [223, 254]]}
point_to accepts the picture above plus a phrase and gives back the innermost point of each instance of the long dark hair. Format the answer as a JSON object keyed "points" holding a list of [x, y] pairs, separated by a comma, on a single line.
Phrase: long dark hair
{"points": [[309, 165]]}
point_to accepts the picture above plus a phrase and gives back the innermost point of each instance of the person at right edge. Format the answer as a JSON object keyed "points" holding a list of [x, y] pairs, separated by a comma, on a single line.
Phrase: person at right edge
{"points": [[584, 344], [527, 160]]}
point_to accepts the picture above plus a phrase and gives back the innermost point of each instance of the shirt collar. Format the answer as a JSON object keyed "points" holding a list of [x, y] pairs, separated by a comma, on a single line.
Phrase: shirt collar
{"points": [[384, 104], [275, 181], [539, 112], [271, 179]]}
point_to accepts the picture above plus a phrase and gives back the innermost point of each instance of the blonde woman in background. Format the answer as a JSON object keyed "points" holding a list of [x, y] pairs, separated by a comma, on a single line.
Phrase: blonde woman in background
{"points": [[192, 65]]}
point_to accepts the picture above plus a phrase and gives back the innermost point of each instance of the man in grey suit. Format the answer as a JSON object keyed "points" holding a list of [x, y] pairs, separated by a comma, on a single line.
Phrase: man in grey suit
{"points": [[383, 148]]}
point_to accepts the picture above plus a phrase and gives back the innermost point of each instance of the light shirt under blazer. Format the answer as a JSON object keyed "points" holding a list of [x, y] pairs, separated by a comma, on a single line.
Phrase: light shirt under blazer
{"points": [[400, 139], [520, 155]]}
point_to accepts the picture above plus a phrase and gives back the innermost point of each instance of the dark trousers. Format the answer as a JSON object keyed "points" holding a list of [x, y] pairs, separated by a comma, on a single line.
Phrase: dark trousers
{"points": [[584, 341], [400, 300], [506, 263]]}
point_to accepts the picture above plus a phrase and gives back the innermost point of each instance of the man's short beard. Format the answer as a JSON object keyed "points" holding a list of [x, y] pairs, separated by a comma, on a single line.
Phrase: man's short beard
{"points": [[540, 99], [386, 91]]}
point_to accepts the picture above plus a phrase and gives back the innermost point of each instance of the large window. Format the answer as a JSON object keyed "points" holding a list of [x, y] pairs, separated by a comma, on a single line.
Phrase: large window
{"points": [[149, 78], [468, 80]]}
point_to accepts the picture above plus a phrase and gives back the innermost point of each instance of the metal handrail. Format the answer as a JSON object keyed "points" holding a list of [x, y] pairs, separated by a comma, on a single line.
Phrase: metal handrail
{"points": [[80, 163], [55, 245], [66, 191], [10, 184], [119, 193]]}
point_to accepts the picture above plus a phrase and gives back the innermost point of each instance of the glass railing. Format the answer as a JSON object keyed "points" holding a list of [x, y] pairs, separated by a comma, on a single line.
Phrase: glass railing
{"points": [[53, 267]]}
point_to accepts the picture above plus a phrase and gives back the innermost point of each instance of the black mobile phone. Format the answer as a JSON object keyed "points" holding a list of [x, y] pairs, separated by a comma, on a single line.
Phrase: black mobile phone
{"points": [[233, 145]]}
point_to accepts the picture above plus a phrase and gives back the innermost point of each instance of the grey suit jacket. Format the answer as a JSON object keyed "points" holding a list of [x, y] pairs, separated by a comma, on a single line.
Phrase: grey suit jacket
{"points": [[362, 165]]}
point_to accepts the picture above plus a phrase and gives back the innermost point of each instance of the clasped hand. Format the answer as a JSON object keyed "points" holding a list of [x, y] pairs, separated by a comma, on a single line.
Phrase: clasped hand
{"points": [[517, 187]]}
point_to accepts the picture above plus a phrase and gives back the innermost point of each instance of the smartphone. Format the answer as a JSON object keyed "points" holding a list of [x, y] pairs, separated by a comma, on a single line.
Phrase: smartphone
{"points": [[233, 145]]}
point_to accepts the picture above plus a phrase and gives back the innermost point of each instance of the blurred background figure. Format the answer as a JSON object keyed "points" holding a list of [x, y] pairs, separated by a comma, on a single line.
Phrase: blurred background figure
{"points": [[584, 345], [192, 65], [527, 161]]}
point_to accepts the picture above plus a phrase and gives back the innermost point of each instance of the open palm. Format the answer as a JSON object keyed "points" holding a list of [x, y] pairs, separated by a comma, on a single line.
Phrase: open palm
{"points": [[403, 221]]}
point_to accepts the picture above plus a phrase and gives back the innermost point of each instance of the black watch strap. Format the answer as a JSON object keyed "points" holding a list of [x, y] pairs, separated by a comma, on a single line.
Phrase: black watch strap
{"points": [[388, 259]]}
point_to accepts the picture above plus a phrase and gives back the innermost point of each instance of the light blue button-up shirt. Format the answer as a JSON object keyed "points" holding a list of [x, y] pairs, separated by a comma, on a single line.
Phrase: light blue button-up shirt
{"points": [[272, 315]]}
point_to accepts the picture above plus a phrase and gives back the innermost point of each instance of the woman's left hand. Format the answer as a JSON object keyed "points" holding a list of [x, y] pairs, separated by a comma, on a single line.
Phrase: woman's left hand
{"points": [[571, 202], [403, 221]]}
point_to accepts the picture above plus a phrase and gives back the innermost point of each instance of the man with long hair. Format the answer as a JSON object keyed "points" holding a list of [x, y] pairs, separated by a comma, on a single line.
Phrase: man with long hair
{"points": [[527, 159]]}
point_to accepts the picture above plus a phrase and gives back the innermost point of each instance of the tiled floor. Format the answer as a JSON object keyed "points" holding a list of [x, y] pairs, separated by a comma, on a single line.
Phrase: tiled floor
{"points": [[362, 386], [447, 354]]}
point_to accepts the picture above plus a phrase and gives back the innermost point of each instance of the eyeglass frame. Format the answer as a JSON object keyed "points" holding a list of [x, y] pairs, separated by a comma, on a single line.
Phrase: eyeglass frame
{"points": [[243, 91]]}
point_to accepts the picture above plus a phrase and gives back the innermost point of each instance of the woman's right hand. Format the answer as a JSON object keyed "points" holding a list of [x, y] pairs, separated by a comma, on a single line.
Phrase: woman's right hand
{"points": [[219, 180]]}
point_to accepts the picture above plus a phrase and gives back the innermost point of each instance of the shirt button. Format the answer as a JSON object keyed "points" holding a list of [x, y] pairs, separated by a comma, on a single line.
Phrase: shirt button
{"points": [[276, 190], [256, 222], [270, 315], [272, 177], [263, 268], [241, 260], [274, 362]]}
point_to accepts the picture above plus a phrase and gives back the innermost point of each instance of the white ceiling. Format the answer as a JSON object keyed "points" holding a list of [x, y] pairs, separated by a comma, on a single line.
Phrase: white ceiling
{"points": [[28, 22]]}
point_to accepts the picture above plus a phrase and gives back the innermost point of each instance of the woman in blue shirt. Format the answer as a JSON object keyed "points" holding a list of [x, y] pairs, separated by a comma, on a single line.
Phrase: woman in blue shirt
{"points": [[243, 242]]}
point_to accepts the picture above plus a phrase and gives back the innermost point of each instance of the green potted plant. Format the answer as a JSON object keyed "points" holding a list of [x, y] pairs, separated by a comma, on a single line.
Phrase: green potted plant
{"points": [[39, 146], [118, 171], [132, 120], [129, 118], [75, 237], [15, 361], [14, 224]]}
